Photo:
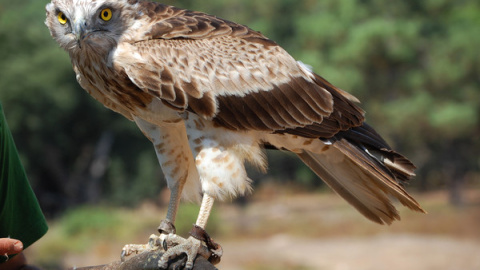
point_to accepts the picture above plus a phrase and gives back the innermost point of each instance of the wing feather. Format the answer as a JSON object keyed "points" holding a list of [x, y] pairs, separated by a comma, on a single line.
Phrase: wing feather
{"points": [[232, 75], [282, 117]]}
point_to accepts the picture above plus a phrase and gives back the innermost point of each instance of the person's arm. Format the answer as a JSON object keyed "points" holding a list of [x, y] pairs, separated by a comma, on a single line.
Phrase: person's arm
{"points": [[20, 215]]}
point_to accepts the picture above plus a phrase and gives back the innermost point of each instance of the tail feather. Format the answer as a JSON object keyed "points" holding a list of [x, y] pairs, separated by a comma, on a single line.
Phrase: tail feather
{"points": [[363, 180], [367, 139]]}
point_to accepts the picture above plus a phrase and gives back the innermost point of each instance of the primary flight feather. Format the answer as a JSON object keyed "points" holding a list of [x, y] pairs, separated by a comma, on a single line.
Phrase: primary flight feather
{"points": [[211, 94]]}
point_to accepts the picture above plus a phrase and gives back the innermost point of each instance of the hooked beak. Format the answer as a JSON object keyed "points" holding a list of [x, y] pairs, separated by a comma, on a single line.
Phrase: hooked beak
{"points": [[79, 29]]}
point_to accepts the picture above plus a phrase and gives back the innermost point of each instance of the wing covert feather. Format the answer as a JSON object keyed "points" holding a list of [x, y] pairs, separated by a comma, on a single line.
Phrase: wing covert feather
{"points": [[232, 75]]}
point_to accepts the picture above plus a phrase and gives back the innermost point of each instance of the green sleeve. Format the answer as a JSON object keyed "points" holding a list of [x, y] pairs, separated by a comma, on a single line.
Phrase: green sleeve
{"points": [[20, 214]]}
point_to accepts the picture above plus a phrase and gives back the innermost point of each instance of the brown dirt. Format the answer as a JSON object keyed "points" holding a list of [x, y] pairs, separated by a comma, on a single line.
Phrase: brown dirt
{"points": [[309, 231], [277, 230], [380, 252]]}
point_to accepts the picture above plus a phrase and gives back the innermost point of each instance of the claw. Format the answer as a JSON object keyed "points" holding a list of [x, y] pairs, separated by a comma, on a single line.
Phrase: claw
{"points": [[214, 250], [164, 244], [153, 244], [199, 243], [127, 250], [190, 247], [176, 245], [123, 255]]}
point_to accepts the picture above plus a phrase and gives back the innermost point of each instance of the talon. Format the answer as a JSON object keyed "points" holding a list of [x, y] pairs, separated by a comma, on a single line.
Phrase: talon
{"points": [[126, 251], [123, 255], [215, 251], [216, 255], [191, 247], [164, 244], [154, 242]]}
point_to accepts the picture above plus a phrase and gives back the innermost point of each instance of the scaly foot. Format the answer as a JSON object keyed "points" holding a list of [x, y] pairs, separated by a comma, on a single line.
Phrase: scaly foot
{"points": [[154, 242], [199, 243], [192, 246], [178, 245]]}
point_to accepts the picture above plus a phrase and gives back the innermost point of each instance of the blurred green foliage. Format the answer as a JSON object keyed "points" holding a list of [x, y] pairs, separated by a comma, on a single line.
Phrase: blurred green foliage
{"points": [[414, 65], [81, 229]]}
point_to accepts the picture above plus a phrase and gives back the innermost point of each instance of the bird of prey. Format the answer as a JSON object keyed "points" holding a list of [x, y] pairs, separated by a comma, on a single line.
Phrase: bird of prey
{"points": [[211, 94]]}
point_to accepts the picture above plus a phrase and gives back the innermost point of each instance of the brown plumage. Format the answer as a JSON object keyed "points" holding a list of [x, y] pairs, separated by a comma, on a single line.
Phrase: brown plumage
{"points": [[210, 94]]}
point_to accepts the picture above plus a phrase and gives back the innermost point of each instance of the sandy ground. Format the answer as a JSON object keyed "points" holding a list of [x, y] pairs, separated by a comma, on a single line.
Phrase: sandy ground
{"points": [[331, 235], [386, 251], [315, 231]]}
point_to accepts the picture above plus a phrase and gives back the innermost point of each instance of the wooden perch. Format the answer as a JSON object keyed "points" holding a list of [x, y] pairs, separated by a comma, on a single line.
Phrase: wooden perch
{"points": [[148, 260]]}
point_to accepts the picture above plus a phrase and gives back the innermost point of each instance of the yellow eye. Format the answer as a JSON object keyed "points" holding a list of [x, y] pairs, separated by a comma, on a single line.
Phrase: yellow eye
{"points": [[62, 19], [106, 14]]}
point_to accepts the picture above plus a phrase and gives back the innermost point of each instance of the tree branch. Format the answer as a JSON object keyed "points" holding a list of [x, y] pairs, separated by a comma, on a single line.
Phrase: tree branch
{"points": [[148, 260]]}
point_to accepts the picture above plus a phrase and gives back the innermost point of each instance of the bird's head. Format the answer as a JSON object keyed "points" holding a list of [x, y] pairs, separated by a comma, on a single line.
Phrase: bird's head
{"points": [[91, 24]]}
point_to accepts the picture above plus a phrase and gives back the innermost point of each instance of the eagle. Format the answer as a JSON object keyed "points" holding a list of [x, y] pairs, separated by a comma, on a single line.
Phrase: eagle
{"points": [[211, 95]]}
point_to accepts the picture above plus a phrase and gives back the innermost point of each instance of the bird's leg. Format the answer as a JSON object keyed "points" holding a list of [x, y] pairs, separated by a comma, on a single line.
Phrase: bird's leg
{"points": [[198, 230], [167, 226], [171, 147], [205, 209], [167, 237], [193, 245]]}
